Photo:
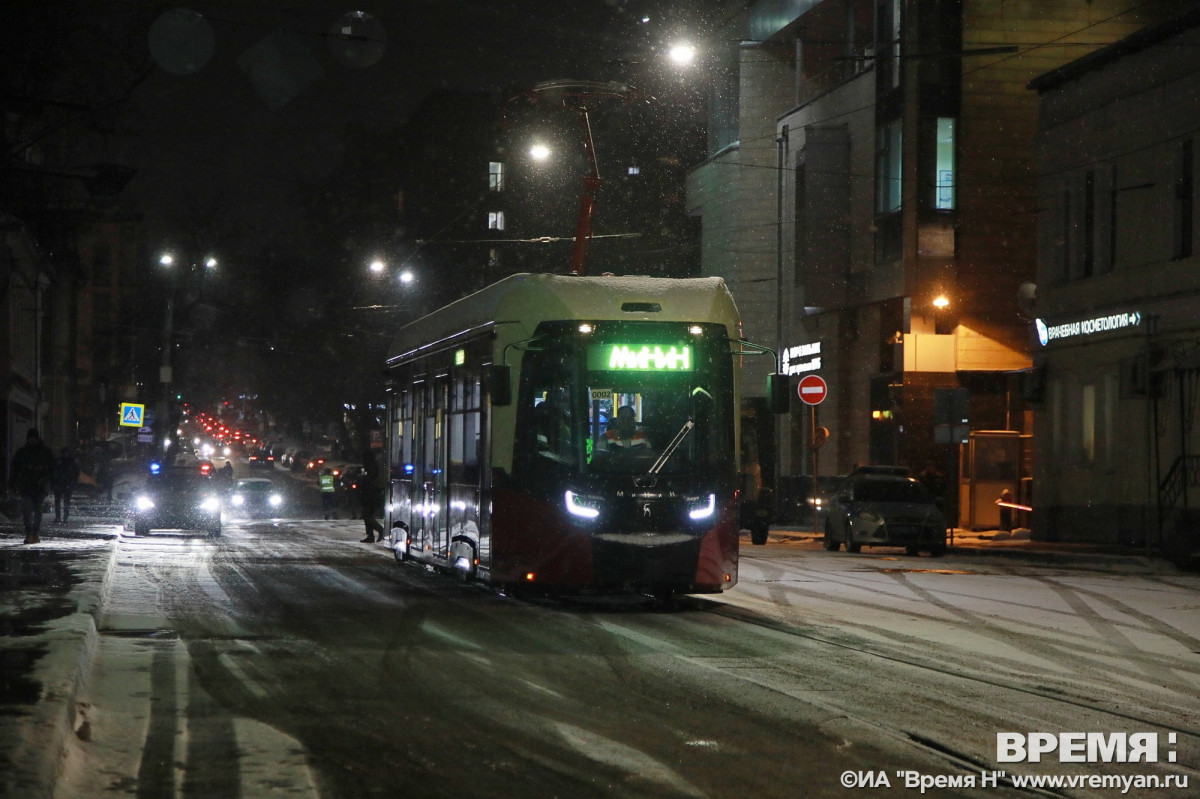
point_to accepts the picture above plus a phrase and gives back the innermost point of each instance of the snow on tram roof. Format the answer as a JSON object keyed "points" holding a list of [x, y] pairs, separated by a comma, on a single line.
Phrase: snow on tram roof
{"points": [[529, 299]]}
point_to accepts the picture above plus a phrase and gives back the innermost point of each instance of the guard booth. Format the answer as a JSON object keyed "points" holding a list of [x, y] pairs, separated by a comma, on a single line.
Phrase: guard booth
{"points": [[990, 462]]}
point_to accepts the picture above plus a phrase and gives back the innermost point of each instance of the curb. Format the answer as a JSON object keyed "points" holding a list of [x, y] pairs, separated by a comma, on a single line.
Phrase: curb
{"points": [[1037, 552], [43, 737]]}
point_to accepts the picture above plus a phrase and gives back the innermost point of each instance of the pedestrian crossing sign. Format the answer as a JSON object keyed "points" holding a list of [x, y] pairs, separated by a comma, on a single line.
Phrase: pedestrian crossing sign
{"points": [[132, 414]]}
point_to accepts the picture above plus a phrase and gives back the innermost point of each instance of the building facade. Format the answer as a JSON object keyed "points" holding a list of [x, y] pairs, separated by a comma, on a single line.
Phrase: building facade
{"points": [[1117, 348], [870, 197]]}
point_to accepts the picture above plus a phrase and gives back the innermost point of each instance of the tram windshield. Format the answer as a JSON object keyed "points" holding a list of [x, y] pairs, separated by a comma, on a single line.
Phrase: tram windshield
{"points": [[628, 404]]}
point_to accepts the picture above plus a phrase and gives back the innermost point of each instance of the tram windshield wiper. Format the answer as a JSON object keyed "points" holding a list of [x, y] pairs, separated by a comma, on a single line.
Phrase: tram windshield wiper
{"points": [[674, 445]]}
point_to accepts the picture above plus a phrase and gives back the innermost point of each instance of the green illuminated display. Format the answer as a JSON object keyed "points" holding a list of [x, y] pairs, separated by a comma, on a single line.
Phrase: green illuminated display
{"points": [[640, 358]]}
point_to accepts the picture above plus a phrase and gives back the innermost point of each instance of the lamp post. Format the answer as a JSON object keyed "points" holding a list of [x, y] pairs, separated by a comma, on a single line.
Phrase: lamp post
{"points": [[165, 369]]}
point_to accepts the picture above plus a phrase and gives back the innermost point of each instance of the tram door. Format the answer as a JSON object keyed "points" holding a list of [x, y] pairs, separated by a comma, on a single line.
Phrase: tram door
{"points": [[433, 477]]}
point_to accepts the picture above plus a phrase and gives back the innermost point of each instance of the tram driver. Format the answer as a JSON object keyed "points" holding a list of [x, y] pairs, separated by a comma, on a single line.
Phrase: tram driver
{"points": [[624, 434]]}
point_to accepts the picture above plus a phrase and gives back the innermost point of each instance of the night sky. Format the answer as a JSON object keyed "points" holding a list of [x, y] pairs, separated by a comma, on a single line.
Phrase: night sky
{"points": [[269, 106], [236, 116]]}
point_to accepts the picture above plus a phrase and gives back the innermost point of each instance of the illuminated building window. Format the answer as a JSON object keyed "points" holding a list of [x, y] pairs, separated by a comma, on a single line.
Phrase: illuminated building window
{"points": [[495, 176], [635, 170], [495, 220], [944, 183]]}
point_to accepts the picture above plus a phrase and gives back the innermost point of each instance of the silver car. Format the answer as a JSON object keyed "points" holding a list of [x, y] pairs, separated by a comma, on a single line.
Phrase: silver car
{"points": [[884, 510]]}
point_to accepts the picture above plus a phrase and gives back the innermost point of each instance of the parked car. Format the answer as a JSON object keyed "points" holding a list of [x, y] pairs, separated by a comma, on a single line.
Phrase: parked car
{"points": [[256, 496], [881, 509], [177, 498]]}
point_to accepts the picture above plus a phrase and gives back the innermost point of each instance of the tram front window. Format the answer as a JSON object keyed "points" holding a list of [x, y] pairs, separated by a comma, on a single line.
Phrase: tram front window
{"points": [[587, 420]]}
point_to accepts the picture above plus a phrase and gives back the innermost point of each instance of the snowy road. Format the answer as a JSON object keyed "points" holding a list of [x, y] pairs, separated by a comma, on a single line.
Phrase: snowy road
{"points": [[289, 658]]}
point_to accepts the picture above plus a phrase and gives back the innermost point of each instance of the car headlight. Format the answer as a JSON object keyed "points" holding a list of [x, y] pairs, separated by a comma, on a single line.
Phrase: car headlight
{"points": [[276, 500], [143, 502], [238, 499], [583, 507], [701, 507], [210, 505]]}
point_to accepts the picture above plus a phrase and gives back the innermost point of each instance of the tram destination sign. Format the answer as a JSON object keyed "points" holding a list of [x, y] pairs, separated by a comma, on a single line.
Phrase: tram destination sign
{"points": [[639, 357]]}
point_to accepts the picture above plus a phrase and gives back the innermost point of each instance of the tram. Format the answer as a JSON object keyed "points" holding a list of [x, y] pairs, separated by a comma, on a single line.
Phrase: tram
{"points": [[566, 434]]}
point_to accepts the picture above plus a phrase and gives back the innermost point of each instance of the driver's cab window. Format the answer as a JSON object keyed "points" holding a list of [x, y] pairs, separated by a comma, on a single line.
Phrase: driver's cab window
{"points": [[552, 423], [547, 435]]}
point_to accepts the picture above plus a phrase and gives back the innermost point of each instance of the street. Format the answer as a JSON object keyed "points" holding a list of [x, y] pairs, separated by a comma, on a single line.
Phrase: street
{"points": [[288, 657]]}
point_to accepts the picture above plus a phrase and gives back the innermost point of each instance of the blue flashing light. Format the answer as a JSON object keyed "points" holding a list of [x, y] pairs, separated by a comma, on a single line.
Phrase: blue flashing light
{"points": [[155, 467], [409, 468]]}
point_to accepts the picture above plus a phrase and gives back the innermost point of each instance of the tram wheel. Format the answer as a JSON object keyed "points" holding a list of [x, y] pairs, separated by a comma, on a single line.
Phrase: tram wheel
{"points": [[758, 533]]}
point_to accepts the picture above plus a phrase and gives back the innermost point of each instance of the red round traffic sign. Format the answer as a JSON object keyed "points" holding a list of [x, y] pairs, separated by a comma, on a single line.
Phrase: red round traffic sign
{"points": [[812, 389]]}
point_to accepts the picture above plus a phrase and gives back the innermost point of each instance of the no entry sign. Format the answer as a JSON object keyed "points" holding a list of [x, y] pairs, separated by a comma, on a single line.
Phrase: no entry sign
{"points": [[812, 389]]}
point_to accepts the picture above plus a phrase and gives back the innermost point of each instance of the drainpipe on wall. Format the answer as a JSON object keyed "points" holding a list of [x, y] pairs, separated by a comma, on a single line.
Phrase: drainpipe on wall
{"points": [[781, 146]]}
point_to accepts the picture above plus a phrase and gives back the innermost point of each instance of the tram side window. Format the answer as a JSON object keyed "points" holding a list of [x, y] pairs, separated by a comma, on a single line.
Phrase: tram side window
{"points": [[464, 429], [401, 432]]}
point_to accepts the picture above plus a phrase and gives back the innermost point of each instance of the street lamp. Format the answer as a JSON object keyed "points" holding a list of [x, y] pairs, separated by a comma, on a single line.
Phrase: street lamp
{"points": [[165, 376], [682, 54]]}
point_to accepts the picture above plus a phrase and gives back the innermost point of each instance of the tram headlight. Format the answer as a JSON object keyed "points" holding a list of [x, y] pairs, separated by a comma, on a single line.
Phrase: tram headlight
{"points": [[210, 505], [144, 502], [583, 507], [702, 507], [238, 500], [275, 500]]}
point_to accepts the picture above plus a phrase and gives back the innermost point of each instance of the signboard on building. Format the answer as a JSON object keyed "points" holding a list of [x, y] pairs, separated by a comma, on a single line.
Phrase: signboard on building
{"points": [[1052, 331], [800, 358]]}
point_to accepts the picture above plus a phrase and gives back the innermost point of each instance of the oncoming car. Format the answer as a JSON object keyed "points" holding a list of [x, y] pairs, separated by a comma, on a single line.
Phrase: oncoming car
{"points": [[255, 496], [177, 498], [884, 510]]}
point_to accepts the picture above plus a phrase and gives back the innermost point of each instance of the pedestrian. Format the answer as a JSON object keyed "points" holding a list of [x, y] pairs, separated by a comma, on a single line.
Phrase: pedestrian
{"points": [[370, 498], [62, 482], [328, 493], [32, 465], [225, 477]]}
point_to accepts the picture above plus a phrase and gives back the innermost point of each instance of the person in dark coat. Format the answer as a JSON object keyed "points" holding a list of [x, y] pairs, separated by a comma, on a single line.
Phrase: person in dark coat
{"points": [[62, 482], [370, 498], [32, 465]]}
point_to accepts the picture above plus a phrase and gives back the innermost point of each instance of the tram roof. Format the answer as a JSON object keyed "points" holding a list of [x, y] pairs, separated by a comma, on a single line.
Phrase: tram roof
{"points": [[529, 299]]}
